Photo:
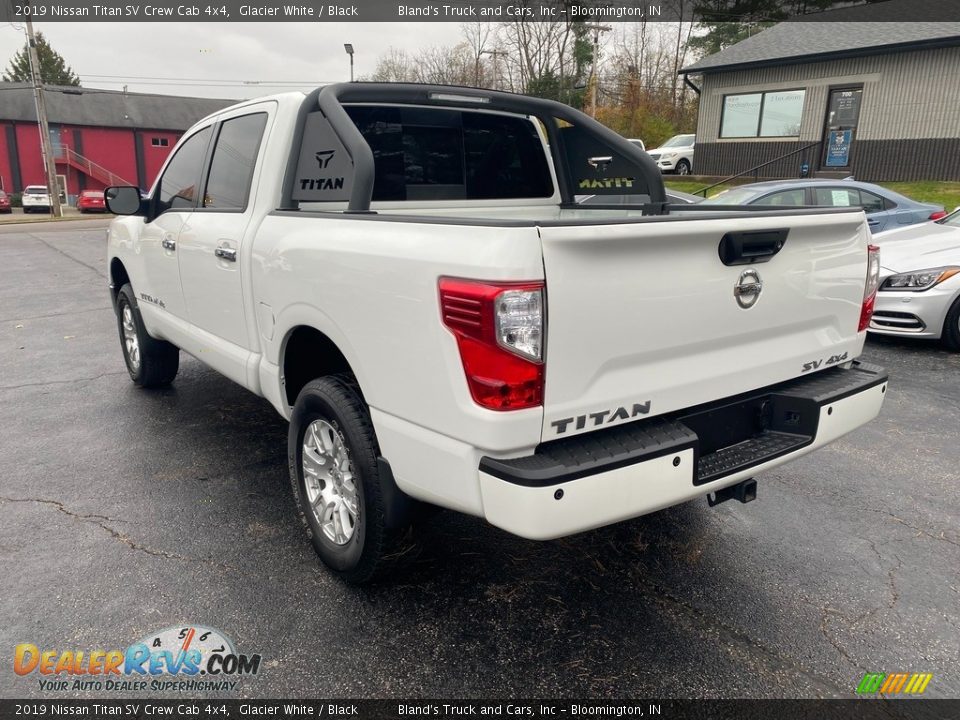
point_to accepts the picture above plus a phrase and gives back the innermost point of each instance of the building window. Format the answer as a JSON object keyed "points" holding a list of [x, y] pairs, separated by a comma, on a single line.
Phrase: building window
{"points": [[159, 142], [769, 114]]}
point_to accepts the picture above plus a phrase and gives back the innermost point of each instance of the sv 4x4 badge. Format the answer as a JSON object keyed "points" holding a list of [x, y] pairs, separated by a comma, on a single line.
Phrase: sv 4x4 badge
{"points": [[817, 364]]}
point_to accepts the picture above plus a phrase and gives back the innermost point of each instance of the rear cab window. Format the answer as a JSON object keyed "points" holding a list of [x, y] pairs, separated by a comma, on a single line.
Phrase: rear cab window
{"points": [[425, 154], [434, 154]]}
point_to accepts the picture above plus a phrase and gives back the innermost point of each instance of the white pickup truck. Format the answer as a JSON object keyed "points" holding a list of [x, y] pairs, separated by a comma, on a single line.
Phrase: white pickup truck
{"points": [[402, 271]]}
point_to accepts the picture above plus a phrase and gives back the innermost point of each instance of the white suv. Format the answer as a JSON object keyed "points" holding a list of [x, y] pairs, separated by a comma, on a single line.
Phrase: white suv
{"points": [[675, 155], [36, 197]]}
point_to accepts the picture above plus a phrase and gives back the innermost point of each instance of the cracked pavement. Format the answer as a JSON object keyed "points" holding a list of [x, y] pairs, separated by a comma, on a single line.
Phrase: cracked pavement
{"points": [[125, 511]]}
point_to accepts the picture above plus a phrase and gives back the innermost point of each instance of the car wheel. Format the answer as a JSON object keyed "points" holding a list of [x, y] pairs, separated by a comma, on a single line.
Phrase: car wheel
{"points": [[951, 327], [683, 168], [150, 362], [332, 451]]}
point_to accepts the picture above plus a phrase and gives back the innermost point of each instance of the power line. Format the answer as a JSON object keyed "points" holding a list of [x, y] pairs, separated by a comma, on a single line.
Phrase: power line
{"points": [[211, 80]]}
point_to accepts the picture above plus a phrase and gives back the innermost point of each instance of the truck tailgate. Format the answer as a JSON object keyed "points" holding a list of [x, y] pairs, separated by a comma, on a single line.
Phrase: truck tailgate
{"points": [[643, 318]]}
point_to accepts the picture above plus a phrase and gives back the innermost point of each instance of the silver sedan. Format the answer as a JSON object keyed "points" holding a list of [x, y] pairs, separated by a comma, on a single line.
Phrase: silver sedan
{"points": [[919, 293]]}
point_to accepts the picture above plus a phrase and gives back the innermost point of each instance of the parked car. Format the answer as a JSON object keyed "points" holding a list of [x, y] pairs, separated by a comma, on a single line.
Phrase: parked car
{"points": [[639, 143], [675, 155], [919, 292], [35, 198], [885, 209], [395, 309], [91, 201], [5, 205]]}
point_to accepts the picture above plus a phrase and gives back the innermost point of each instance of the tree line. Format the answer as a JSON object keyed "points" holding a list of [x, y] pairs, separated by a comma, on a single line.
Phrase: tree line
{"points": [[624, 73]]}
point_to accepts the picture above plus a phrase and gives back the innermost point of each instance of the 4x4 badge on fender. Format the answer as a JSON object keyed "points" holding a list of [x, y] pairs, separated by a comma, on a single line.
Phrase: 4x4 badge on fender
{"points": [[748, 288]]}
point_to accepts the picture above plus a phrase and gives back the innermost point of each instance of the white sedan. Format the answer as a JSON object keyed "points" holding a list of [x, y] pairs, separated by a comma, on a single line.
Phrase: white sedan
{"points": [[919, 292]]}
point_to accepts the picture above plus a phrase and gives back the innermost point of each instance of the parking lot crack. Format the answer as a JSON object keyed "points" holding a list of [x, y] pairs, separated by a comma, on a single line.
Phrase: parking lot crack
{"points": [[55, 315], [61, 382], [101, 522], [57, 250]]}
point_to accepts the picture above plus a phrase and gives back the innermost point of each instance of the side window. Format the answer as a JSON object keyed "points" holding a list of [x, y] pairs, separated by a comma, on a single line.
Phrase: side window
{"points": [[235, 154], [871, 203], [836, 197], [178, 186], [784, 197]]}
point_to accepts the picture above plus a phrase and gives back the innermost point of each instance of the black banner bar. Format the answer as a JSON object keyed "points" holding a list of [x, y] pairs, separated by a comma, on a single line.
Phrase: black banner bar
{"points": [[605, 11], [875, 708]]}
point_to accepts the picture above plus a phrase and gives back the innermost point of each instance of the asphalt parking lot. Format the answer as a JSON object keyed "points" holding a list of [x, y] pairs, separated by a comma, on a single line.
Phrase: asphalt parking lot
{"points": [[124, 511]]}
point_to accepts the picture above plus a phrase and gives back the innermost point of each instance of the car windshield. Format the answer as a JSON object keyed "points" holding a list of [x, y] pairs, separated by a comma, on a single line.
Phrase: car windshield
{"points": [[953, 219], [679, 141], [734, 196]]}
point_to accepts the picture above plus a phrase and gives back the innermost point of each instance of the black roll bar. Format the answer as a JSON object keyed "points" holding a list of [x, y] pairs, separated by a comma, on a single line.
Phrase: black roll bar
{"points": [[330, 99]]}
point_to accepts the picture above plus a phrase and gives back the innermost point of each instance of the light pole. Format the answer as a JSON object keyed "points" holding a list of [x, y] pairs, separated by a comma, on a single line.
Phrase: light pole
{"points": [[597, 29], [53, 187], [349, 48]]}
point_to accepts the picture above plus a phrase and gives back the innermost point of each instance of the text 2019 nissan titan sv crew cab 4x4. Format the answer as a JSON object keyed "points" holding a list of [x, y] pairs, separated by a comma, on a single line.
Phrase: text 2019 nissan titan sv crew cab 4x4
{"points": [[403, 272]]}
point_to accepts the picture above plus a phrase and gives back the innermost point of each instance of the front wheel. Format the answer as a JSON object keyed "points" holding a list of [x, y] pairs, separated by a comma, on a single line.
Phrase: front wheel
{"points": [[332, 452], [951, 327], [150, 362], [683, 168]]}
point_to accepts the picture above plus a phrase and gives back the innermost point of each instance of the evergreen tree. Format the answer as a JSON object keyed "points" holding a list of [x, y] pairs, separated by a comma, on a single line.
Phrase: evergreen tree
{"points": [[53, 68]]}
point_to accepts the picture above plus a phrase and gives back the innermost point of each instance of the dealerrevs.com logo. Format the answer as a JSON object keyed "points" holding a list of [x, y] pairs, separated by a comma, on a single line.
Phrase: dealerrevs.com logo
{"points": [[190, 658]]}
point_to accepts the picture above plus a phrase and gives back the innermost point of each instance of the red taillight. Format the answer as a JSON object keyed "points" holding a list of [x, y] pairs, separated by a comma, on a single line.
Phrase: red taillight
{"points": [[937, 215], [499, 331], [870, 289]]}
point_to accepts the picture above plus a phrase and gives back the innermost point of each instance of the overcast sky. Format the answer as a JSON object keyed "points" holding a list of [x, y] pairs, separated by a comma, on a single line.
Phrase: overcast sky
{"points": [[212, 52]]}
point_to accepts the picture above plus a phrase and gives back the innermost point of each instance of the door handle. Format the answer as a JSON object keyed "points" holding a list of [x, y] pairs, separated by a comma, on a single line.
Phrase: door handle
{"points": [[225, 253], [168, 243]]}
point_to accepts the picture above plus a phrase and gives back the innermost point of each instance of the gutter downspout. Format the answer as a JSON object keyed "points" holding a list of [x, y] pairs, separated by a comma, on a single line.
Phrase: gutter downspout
{"points": [[689, 84]]}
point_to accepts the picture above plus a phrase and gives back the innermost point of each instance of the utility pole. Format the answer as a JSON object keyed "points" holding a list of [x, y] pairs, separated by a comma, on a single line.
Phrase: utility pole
{"points": [[496, 66], [597, 29], [53, 187]]}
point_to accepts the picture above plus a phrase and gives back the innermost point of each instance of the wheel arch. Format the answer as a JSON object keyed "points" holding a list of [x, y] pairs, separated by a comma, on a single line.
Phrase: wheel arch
{"points": [[118, 278], [307, 353]]}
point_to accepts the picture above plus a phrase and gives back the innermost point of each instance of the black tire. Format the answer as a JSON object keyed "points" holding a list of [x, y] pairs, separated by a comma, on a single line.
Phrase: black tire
{"points": [[951, 327], [158, 360], [683, 168], [335, 401]]}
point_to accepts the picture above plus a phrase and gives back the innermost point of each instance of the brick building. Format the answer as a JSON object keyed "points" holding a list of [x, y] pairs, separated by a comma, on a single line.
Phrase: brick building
{"points": [[99, 137]]}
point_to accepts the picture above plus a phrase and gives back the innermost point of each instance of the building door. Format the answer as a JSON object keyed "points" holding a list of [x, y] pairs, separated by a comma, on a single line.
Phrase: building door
{"points": [[840, 128]]}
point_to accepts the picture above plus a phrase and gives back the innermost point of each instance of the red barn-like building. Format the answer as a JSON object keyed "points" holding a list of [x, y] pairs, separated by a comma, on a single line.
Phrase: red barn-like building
{"points": [[99, 137]]}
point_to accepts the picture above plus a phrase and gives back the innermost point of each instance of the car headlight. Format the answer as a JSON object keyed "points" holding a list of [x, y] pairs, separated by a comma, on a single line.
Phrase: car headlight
{"points": [[919, 280], [670, 155]]}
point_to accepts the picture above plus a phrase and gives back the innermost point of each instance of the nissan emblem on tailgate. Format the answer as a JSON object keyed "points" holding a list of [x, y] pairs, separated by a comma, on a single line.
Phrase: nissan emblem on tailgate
{"points": [[748, 288]]}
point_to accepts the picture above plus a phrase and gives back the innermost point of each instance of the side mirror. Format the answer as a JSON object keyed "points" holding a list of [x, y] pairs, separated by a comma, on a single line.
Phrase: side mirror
{"points": [[123, 200]]}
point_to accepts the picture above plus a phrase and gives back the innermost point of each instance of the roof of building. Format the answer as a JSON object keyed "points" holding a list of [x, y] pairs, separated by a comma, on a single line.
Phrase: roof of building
{"points": [[845, 32], [106, 108]]}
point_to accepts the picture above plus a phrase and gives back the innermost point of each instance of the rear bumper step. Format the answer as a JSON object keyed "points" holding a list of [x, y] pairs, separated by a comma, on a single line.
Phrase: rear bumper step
{"points": [[727, 437]]}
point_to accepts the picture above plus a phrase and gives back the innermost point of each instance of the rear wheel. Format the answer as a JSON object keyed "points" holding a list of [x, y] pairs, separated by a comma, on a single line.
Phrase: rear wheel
{"points": [[951, 327], [150, 362], [683, 168], [332, 452]]}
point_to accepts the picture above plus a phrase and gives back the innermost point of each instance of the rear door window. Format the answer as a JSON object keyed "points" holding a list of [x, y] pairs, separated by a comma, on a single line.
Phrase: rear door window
{"points": [[234, 156], [784, 197], [872, 203], [836, 197]]}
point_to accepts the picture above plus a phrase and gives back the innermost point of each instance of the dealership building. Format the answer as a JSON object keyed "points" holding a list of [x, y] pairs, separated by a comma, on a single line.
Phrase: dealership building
{"points": [[98, 137], [876, 100]]}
